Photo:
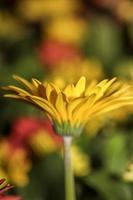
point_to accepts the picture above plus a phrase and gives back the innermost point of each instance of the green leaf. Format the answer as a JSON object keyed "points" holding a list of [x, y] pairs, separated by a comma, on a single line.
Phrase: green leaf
{"points": [[108, 187], [115, 153]]}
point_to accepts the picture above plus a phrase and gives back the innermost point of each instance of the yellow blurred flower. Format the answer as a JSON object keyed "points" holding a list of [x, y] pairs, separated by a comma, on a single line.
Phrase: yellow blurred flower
{"points": [[73, 106], [125, 72], [121, 114], [18, 167], [14, 164], [66, 29], [9, 24], [43, 143], [128, 175], [36, 10], [80, 161], [93, 126], [70, 71]]}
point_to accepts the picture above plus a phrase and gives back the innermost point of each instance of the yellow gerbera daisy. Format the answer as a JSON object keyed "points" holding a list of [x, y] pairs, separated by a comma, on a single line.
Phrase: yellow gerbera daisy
{"points": [[71, 107]]}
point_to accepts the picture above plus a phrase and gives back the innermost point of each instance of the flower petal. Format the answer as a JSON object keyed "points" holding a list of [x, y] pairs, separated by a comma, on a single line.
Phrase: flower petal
{"points": [[24, 81], [17, 90], [61, 107], [47, 106], [69, 91], [80, 87]]}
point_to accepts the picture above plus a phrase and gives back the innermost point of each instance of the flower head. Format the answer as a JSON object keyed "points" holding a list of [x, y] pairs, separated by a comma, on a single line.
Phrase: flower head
{"points": [[71, 107]]}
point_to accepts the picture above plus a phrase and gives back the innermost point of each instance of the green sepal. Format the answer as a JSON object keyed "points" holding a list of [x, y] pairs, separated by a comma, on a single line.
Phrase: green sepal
{"points": [[65, 129]]}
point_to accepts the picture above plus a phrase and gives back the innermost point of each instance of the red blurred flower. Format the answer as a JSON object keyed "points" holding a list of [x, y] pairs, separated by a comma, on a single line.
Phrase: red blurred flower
{"points": [[25, 127], [54, 52], [9, 198]]}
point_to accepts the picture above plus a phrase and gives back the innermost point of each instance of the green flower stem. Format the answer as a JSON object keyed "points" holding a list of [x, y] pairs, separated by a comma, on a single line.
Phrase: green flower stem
{"points": [[69, 178]]}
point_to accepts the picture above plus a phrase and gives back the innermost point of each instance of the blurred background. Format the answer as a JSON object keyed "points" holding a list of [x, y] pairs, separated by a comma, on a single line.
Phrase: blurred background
{"points": [[56, 40]]}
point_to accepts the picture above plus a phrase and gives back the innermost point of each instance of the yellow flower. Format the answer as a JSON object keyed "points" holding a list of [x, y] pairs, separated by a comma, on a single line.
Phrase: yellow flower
{"points": [[71, 107]]}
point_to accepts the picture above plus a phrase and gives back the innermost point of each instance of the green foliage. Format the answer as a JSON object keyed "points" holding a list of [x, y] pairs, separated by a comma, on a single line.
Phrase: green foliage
{"points": [[115, 153]]}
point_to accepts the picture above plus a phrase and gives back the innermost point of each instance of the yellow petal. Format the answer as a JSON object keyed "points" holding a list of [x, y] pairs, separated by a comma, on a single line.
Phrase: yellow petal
{"points": [[80, 87], [61, 107], [81, 108], [25, 82], [36, 82], [113, 106], [51, 93], [90, 88], [108, 105], [57, 89], [15, 96], [123, 90], [102, 83], [41, 91], [49, 89], [72, 105], [97, 92], [109, 83], [47, 106], [17, 90], [114, 88], [84, 113], [69, 91], [105, 84]]}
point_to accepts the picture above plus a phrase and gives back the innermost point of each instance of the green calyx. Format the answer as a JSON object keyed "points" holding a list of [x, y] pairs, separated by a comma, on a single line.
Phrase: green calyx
{"points": [[65, 129]]}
